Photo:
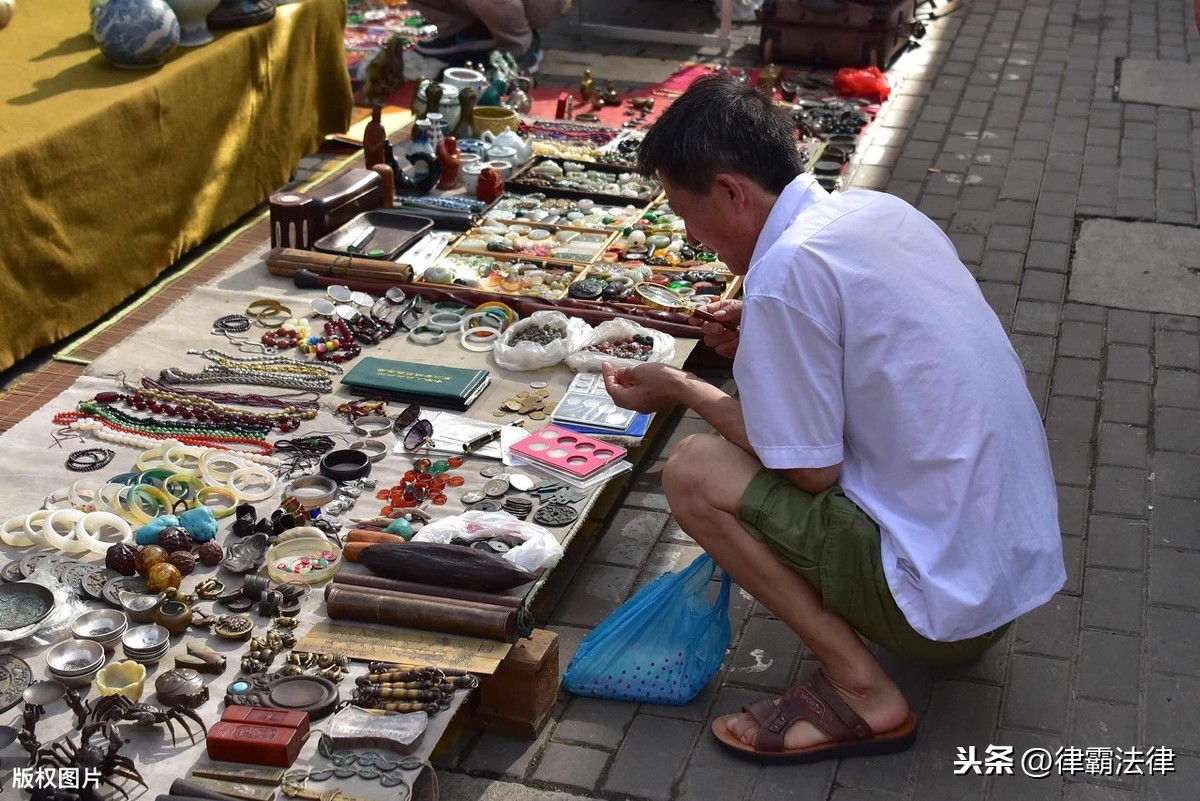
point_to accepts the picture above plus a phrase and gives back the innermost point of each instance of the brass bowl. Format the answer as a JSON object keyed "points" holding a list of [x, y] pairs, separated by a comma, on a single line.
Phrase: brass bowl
{"points": [[495, 119]]}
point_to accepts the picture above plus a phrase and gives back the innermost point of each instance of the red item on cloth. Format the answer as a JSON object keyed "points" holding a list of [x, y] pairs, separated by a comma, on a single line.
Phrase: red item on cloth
{"points": [[862, 82]]}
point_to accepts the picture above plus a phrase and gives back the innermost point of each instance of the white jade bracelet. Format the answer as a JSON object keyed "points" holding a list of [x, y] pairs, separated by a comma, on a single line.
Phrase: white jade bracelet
{"points": [[13, 532], [64, 542], [247, 477], [90, 530], [35, 525]]}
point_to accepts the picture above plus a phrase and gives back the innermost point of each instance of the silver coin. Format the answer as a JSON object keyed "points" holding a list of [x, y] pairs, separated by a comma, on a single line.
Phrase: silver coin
{"points": [[520, 482], [539, 385], [474, 496], [491, 471], [495, 487]]}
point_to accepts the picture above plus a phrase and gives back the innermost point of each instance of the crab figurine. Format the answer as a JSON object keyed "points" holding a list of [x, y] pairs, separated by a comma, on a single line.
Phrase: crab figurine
{"points": [[119, 709], [97, 750]]}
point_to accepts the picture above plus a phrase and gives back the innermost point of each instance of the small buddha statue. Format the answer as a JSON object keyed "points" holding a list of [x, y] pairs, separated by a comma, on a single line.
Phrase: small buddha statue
{"points": [[586, 86]]}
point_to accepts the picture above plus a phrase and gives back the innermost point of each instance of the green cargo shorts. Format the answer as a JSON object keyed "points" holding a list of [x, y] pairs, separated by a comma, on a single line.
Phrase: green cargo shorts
{"points": [[834, 545]]}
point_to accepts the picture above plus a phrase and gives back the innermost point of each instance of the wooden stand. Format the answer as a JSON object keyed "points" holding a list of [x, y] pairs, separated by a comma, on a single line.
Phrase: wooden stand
{"points": [[518, 698]]}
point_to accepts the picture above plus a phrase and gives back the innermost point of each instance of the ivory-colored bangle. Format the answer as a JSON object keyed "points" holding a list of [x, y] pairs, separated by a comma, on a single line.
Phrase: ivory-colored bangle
{"points": [[59, 499], [241, 481], [312, 492], [35, 524], [222, 493], [184, 459], [66, 543], [375, 449], [155, 457], [372, 425], [446, 320], [479, 339], [83, 493], [483, 320], [121, 505], [13, 532], [106, 498], [216, 466], [92, 527]]}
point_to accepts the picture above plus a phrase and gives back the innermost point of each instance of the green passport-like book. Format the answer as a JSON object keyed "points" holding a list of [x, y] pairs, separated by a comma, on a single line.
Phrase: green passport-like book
{"points": [[410, 382]]}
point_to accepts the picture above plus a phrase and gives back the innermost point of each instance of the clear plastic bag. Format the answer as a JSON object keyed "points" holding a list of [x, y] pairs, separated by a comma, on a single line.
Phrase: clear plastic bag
{"points": [[659, 647], [55, 626], [539, 549], [586, 361], [535, 356]]}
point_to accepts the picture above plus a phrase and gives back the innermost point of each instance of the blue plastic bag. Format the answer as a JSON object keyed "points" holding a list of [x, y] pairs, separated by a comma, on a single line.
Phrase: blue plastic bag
{"points": [[659, 647]]}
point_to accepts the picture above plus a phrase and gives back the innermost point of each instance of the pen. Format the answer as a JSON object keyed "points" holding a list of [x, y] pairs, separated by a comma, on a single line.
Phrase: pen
{"points": [[484, 439]]}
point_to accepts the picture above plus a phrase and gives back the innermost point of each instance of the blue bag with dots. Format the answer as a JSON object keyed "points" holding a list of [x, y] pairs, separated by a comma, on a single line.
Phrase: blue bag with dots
{"points": [[659, 647]]}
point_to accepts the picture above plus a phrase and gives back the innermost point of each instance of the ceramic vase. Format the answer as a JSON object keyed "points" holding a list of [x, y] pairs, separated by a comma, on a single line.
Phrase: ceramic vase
{"points": [[137, 34], [193, 20]]}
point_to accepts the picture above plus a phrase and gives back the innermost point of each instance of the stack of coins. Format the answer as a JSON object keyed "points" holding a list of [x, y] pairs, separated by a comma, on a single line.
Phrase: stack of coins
{"points": [[533, 403]]}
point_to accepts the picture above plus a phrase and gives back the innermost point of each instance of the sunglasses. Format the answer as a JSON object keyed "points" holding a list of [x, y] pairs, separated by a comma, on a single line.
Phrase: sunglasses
{"points": [[419, 432]]}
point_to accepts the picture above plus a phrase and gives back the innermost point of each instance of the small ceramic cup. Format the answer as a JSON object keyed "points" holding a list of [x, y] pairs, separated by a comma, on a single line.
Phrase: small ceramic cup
{"points": [[469, 175], [462, 78], [503, 167], [501, 153], [468, 158]]}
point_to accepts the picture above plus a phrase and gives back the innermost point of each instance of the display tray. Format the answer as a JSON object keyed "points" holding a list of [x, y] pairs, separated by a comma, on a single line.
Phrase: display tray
{"points": [[393, 232], [584, 215], [536, 241], [529, 180]]}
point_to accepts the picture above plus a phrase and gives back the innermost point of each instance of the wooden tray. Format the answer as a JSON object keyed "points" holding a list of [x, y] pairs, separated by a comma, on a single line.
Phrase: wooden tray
{"points": [[521, 184], [394, 231]]}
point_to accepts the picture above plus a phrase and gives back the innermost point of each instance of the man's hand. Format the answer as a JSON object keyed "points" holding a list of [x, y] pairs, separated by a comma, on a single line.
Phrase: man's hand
{"points": [[721, 339], [645, 388]]}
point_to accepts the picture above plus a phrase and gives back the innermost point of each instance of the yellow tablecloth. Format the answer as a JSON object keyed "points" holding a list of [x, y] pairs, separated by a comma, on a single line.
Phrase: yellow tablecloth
{"points": [[108, 176]]}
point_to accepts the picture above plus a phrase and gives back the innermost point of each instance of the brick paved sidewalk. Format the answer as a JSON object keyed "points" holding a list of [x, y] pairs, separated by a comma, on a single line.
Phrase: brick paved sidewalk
{"points": [[1006, 132]]}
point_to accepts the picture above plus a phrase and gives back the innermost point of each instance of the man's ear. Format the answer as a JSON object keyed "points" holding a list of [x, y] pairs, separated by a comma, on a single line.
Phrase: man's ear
{"points": [[731, 189]]}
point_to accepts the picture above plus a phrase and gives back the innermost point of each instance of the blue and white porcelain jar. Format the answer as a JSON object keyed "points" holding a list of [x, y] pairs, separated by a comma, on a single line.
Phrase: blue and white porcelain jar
{"points": [[136, 34]]}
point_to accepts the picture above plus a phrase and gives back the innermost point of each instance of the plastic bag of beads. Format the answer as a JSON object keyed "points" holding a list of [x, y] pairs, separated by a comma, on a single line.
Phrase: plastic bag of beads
{"points": [[621, 343], [659, 647], [543, 339]]}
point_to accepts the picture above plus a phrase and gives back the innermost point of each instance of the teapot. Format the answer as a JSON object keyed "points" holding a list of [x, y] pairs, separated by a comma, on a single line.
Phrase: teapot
{"points": [[510, 138]]}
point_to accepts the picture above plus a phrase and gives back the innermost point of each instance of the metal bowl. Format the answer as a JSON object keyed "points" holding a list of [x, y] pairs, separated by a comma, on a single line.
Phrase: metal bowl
{"points": [[146, 639], [75, 658], [24, 603], [105, 626], [139, 606]]}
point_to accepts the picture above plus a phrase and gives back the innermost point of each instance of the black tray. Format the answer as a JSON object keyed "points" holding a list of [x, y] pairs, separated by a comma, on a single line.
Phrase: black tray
{"points": [[518, 184], [394, 231]]}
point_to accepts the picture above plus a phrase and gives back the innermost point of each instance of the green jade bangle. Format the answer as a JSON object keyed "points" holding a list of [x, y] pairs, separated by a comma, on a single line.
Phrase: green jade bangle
{"points": [[426, 335]]}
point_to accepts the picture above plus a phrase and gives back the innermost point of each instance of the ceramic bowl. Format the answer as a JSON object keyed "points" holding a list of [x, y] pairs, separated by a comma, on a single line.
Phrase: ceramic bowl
{"points": [[503, 167], [462, 78], [124, 678], [495, 119], [105, 626], [74, 658]]}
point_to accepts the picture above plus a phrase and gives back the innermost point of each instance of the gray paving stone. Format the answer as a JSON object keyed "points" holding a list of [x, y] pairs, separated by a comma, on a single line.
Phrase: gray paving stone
{"points": [[651, 756], [1036, 352], [1177, 430], [861, 794], [811, 782], [1036, 317], [1037, 693], [675, 533], [1113, 600], [1099, 724], [1177, 388], [1175, 522], [1176, 322], [1042, 285], [645, 491], [1082, 791], [1049, 630], [1078, 377], [1130, 327], [669, 557], [1177, 349], [1125, 402], [1054, 256], [1071, 461], [960, 714], [571, 766], [498, 755], [702, 784], [1173, 577], [1176, 474], [595, 592], [1122, 444], [1017, 786], [1173, 641], [1084, 313], [1117, 542], [1179, 783], [1070, 419], [595, 722], [1108, 666], [1120, 491], [569, 638], [892, 773], [629, 538], [1172, 706], [1128, 363], [1072, 510], [765, 655]]}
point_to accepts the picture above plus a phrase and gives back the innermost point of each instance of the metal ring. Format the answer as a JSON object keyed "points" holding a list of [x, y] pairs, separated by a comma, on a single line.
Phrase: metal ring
{"points": [[375, 449], [372, 425]]}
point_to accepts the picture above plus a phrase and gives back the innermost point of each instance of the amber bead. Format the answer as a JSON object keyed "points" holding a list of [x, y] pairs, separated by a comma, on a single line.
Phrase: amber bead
{"points": [[147, 558], [163, 576]]}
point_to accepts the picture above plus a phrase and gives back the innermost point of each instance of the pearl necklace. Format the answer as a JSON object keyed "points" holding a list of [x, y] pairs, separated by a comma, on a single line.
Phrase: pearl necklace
{"points": [[99, 430], [222, 375]]}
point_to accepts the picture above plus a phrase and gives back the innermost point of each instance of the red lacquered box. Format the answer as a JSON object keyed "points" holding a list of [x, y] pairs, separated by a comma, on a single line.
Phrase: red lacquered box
{"points": [[265, 716], [276, 746]]}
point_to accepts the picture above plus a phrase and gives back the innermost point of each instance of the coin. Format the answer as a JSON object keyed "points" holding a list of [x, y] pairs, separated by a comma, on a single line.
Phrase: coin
{"points": [[411, 763], [513, 405], [499, 413], [474, 496], [523, 394], [537, 415], [520, 482], [538, 385], [491, 471], [495, 487], [542, 393]]}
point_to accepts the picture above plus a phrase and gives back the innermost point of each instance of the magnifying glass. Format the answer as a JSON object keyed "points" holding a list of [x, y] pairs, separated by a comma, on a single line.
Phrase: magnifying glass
{"points": [[658, 296]]}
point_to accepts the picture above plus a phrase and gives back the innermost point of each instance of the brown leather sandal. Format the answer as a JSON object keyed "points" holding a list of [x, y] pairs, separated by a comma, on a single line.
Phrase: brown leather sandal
{"points": [[819, 703]]}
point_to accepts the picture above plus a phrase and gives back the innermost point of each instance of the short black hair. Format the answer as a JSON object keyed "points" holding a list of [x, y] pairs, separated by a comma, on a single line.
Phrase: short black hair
{"points": [[722, 124]]}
